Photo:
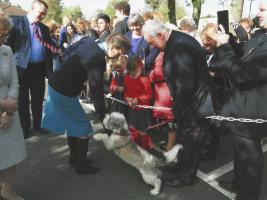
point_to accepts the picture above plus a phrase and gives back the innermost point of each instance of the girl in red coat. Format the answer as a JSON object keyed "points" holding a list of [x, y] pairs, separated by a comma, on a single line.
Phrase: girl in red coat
{"points": [[162, 99], [137, 91]]}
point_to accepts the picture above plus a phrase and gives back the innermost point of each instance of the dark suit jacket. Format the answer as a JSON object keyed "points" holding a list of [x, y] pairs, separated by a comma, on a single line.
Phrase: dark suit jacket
{"points": [[122, 26], [103, 36], [186, 73], [146, 52], [20, 42], [249, 78]]}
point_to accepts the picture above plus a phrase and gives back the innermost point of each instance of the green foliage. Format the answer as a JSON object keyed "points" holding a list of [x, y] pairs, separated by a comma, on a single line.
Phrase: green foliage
{"points": [[163, 9], [109, 10], [54, 10], [172, 11], [154, 4], [5, 1], [75, 12], [197, 9]]}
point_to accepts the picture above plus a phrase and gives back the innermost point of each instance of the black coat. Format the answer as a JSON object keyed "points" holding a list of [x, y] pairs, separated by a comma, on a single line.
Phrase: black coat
{"points": [[122, 26], [249, 78], [186, 73], [83, 60]]}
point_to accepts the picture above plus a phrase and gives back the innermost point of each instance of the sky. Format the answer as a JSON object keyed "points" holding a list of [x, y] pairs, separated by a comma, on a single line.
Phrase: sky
{"points": [[89, 7]]}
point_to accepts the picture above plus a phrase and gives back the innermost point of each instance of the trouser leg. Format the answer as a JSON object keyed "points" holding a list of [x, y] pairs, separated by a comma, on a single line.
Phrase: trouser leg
{"points": [[78, 156], [248, 164], [23, 100], [37, 89], [72, 147], [193, 143]]}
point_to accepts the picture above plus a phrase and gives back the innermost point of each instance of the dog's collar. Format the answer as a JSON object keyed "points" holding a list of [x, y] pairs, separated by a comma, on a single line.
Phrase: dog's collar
{"points": [[123, 133]]}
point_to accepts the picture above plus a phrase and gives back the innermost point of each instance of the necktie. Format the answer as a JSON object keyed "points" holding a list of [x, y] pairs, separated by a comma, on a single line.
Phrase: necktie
{"points": [[44, 43]]}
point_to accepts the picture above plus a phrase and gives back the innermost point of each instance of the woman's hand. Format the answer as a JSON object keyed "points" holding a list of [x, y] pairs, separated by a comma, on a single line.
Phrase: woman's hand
{"points": [[5, 120], [10, 104], [222, 37]]}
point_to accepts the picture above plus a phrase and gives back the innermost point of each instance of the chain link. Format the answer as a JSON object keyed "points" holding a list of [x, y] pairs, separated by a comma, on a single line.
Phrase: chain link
{"points": [[232, 119], [215, 117], [138, 106]]}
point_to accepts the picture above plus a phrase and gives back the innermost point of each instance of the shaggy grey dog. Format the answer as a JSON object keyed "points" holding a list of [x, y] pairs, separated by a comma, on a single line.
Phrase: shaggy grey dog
{"points": [[120, 142]]}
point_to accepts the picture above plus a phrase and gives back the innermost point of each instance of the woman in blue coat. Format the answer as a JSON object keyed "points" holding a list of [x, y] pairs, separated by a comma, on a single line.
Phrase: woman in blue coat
{"points": [[63, 114], [139, 46]]}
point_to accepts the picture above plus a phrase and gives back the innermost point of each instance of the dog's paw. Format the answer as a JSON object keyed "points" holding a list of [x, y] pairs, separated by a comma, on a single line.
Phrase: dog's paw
{"points": [[155, 191], [171, 156], [100, 136]]}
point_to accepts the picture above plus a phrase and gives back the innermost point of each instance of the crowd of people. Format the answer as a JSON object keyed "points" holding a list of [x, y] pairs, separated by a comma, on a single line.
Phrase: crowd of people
{"points": [[140, 60]]}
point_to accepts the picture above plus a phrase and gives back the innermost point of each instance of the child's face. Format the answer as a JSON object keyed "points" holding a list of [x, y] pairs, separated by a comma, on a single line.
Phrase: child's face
{"points": [[119, 64], [137, 72]]}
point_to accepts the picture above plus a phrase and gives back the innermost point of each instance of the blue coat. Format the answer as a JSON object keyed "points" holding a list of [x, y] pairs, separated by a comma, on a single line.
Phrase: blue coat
{"points": [[20, 42]]}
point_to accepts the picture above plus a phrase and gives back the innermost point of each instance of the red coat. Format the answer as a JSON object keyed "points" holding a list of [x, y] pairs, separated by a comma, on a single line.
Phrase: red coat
{"points": [[139, 88], [162, 93]]}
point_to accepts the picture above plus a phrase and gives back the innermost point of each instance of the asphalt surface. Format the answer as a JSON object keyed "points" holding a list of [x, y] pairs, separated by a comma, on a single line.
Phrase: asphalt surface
{"points": [[46, 175]]}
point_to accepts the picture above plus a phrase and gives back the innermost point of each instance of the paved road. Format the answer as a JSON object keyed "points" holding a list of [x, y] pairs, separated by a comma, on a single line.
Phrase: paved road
{"points": [[45, 175]]}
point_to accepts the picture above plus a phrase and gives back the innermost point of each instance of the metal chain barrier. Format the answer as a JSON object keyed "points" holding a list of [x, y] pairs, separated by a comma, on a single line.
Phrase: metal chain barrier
{"points": [[214, 117], [138, 106], [232, 119]]}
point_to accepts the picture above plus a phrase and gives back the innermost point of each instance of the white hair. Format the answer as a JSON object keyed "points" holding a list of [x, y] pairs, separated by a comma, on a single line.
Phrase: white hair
{"points": [[188, 24], [154, 27]]}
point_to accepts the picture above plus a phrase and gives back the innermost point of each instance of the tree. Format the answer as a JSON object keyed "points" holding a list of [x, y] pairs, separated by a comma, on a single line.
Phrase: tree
{"points": [[197, 9], [55, 10], [154, 4], [172, 12], [5, 1], [109, 10], [75, 12], [237, 9]]}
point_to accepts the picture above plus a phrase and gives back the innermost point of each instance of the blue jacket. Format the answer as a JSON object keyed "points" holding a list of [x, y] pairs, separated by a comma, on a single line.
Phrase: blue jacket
{"points": [[20, 42]]}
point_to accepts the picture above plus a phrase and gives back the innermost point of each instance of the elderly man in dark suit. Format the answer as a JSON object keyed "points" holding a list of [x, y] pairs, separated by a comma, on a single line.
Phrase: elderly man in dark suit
{"points": [[34, 62], [248, 100], [185, 71]]}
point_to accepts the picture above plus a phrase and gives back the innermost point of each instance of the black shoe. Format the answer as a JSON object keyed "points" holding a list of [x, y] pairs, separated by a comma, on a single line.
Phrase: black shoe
{"points": [[41, 130], [26, 132], [87, 161], [208, 155], [86, 168], [229, 185], [177, 182]]}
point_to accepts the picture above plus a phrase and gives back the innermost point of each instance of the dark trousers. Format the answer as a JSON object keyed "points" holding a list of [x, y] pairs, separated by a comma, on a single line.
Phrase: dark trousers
{"points": [[31, 91], [193, 140], [248, 164]]}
